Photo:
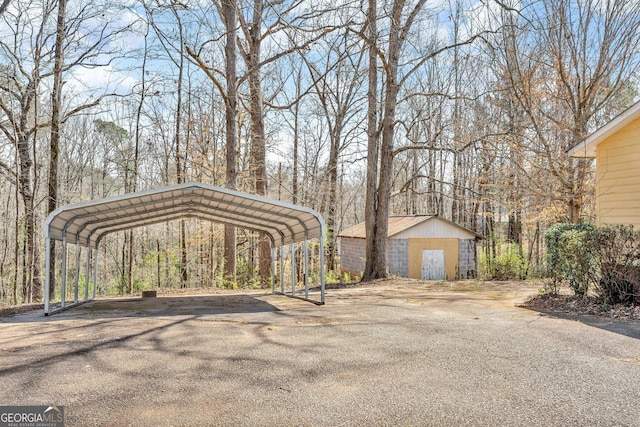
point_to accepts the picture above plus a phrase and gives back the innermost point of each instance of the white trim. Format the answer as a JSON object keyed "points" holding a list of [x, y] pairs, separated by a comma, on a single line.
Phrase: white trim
{"points": [[587, 148]]}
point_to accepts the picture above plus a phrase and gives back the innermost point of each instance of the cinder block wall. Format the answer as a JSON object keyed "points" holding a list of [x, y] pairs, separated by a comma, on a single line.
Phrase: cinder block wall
{"points": [[398, 257], [467, 259], [352, 255]]}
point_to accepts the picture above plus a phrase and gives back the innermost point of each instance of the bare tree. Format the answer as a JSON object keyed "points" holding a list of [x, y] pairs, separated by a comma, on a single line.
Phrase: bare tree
{"points": [[381, 133], [18, 101], [338, 90], [54, 144], [579, 56], [4, 5], [25, 71], [228, 11]]}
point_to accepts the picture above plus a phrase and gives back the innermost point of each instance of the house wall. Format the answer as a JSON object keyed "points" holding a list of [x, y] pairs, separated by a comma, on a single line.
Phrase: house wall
{"points": [[618, 179]]}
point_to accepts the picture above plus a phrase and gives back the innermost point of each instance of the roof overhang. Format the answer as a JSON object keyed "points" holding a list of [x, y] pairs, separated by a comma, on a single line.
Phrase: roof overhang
{"points": [[400, 223], [587, 148], [88, 222]]}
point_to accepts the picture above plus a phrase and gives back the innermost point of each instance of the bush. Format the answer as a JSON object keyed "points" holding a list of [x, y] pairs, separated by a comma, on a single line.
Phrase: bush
{"points": [[616, 252], [509, 264], [569, 256], [605, 259]]}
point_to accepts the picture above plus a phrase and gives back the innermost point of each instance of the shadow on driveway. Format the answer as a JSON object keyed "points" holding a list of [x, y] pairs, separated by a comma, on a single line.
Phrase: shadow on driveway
{"points": [[192, 305], [622, 327]]}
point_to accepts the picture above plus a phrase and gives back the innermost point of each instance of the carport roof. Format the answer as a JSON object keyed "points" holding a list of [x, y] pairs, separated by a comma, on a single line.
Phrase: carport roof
{"points": [[87, 222]]}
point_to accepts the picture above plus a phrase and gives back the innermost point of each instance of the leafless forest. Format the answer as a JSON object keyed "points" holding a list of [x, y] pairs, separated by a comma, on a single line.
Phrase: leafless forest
{"points": [[357, 109]]}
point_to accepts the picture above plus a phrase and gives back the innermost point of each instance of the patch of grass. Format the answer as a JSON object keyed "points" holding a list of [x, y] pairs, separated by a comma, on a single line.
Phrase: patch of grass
{"points": [[465, 287]]}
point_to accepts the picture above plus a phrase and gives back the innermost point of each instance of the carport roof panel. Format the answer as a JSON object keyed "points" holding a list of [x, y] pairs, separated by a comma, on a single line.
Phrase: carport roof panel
{"points": [[86, 222]]}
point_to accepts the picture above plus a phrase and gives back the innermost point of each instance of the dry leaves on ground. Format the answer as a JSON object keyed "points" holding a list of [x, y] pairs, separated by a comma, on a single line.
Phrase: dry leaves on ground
{"points": [[570, 304]]}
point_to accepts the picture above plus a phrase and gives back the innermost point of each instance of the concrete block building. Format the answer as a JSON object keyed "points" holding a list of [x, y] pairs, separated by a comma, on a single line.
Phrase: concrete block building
{"points": [[421, 247]]}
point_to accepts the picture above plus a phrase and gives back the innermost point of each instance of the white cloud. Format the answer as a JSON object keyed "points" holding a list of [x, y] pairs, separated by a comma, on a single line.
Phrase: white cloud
{"points": [[485, 16], [94, 82]]}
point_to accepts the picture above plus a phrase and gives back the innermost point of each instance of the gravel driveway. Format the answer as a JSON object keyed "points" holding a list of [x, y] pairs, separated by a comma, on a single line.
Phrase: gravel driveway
{"points": [[395, 353]]}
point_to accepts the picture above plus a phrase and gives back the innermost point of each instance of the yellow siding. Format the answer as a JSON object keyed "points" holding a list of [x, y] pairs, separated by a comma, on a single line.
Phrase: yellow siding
{"points": [[451, 249], [618, 177]]}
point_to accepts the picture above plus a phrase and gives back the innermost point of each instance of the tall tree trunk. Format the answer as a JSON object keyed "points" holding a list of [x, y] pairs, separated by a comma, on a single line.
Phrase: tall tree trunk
{"points": [[379, 268], [296, 142], [371, 226], [378, 199], [32, 283], [133, 179], [334, 152], [54, 142], [179, 164], [258, 149], [231, 113]]}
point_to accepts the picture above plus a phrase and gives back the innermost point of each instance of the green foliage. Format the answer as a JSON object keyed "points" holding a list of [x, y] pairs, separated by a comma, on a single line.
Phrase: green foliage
{"points": [[111, 130], [569, 256], [334, 276], [605, 260], [247, 276], [616, 251], [508, 264]]}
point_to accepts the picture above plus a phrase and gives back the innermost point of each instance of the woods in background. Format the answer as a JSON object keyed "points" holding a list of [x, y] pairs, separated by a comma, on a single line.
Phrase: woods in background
{"points": [[359, 110]]}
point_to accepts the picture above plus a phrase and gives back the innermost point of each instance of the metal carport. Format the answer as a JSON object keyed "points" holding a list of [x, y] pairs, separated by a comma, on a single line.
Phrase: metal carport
{"points": [[85, 224]]}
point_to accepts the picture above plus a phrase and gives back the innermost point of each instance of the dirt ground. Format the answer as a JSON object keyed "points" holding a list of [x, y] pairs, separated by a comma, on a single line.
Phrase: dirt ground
{"points": [[391, 353]]}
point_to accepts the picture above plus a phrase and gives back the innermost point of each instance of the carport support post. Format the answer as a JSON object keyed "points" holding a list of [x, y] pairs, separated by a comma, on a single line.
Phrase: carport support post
{"points": [[95, 271], [322, 266], [47, 280], [75, 292], [86, 274], [282, 266], [273, 267], [63, 268], [293, 269], [306, 264]]}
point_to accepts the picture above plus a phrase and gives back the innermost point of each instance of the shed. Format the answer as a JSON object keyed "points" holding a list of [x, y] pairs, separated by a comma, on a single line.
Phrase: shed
{"points": [[616, 148], [421, 247]]}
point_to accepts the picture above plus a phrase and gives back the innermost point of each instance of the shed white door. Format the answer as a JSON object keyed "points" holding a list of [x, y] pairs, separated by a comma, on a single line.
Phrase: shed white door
{"points": [[433, 264]]}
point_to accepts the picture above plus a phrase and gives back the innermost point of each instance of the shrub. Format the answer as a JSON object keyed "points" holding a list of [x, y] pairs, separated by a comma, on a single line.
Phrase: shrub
{"points": [[605, 259], [509, 264], [616, 252], [569, 256]]}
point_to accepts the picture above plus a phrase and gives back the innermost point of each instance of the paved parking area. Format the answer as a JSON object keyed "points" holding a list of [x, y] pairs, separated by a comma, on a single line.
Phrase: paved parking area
{"points": [[396, 353]]}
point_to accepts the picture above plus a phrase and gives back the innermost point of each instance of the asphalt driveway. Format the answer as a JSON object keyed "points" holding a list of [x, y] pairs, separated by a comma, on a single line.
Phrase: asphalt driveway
{"points": [[407, 353]]}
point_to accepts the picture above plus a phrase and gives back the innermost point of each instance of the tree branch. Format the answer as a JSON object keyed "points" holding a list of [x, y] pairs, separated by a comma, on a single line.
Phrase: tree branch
{"points": [[208, 72]]}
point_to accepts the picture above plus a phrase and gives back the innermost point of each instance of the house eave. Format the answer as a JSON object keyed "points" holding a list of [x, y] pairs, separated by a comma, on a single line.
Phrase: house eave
{"points": [[587, 147]]}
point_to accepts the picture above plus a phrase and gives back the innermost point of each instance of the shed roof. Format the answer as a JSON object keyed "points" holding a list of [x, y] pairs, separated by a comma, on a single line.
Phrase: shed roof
{"points": [[587, 147], [398, 224], [86, 223]]}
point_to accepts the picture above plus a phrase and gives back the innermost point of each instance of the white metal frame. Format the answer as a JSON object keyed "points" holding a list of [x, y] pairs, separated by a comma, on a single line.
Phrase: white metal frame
{"points": [[85, 224]]}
